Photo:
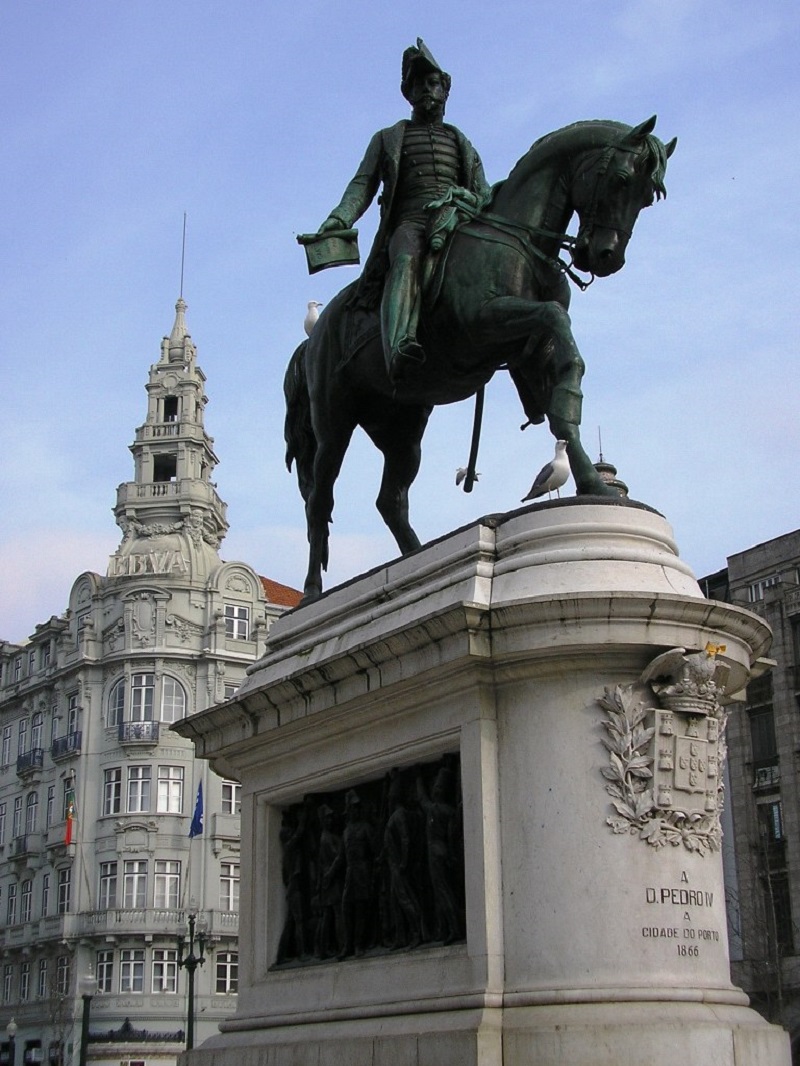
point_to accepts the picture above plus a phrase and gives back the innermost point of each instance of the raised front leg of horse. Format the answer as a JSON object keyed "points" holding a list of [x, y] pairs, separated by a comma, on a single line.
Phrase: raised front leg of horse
{"points": [[547, 372]]}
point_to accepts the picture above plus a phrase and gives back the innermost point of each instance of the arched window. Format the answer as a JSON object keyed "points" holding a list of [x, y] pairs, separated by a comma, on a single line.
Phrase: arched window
{"points": [[31, 812], [139, 704], [173, 700], [27, 898], [22, 737], [37, 729], [116, 704], [143, 688]]}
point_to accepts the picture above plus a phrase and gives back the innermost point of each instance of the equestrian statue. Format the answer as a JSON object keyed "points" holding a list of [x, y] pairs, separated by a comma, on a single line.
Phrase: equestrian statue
{"points": [[463, 279]]}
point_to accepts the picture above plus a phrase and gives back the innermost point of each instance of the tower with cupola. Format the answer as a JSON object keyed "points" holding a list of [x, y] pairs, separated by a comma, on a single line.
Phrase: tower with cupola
{"points": [[172, 519], [100, 877]]}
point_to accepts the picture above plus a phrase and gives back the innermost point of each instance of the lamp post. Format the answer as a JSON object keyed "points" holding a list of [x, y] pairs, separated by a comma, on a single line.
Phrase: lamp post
{"points": [[87, 986], [190, 962], [11, 1033]]}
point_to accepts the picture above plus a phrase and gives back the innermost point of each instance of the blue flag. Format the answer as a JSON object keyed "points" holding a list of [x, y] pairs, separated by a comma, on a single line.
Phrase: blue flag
{"points": [[196, 828]]}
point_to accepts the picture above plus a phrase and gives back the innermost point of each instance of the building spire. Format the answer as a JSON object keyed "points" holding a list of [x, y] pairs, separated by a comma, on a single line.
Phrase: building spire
{"points": [[177, 347]]}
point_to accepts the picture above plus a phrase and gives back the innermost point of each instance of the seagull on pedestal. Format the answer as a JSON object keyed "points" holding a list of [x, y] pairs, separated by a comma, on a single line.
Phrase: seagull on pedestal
{"points": [[312, 314], [552, 476]]}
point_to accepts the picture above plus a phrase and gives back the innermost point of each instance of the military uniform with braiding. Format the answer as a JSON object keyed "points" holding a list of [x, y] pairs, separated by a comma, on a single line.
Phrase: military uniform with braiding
{"points": [[417, 161]]}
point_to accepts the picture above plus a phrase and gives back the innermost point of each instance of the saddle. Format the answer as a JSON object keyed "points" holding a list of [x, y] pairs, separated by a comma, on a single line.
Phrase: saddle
{"points": [[362, 317], [457, 206]]}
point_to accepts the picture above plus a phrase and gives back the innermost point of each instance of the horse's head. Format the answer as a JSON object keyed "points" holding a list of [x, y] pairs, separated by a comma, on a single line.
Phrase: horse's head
{"points": [[610, 186]]}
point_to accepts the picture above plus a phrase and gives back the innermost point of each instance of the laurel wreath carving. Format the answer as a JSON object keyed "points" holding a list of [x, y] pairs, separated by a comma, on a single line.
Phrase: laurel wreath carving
{"points": [[629, 776]]}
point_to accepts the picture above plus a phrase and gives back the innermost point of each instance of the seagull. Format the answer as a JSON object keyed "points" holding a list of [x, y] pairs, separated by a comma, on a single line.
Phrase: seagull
{"points": [[311, 316], [462, 472], [552, 475]]}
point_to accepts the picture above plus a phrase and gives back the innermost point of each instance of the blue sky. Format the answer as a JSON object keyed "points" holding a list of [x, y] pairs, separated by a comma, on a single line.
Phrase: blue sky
{"points": [[251, 117]]}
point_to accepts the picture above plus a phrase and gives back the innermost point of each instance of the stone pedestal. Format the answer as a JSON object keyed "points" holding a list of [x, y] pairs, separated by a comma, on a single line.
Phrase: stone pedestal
{"points": [[595, 929]]}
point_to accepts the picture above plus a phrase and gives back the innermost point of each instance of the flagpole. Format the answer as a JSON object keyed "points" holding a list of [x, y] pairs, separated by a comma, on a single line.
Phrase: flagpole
{"points": [[195, 830]]}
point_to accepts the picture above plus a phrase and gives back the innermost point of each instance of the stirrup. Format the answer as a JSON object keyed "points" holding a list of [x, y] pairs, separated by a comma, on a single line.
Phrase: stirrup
{"points": [[405, 358]]}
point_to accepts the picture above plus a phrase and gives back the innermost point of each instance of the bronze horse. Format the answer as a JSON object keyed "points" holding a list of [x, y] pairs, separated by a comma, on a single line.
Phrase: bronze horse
{"points": [[498, 299]]}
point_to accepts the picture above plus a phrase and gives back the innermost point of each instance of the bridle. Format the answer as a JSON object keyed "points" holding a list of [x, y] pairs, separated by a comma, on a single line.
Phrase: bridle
{"points": [[523, 236]]}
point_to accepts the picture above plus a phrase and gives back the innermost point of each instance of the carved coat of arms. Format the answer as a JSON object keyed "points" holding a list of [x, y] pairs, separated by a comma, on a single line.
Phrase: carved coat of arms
{"points": [[666, 743]]}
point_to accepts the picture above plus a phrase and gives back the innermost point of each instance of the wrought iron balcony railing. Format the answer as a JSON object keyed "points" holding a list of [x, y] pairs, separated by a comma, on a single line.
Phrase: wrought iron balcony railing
{"points": [[68, 745], [31, 760], [138, 732]]}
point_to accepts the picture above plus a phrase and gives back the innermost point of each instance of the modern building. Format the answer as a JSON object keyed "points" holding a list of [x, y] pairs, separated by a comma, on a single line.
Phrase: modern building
{"points": [[764, 784], [99, 874]]}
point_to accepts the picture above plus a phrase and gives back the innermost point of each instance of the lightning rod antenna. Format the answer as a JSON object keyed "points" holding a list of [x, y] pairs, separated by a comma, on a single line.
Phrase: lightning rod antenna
{"points": [[600, 443], [183, 251]]}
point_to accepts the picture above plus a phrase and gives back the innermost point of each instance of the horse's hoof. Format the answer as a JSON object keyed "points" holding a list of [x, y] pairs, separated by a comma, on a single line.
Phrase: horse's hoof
{"points": [[600, 488]]}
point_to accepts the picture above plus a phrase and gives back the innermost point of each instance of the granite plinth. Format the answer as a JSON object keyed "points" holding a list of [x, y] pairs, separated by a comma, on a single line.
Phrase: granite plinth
{"points": [[584, 944]]}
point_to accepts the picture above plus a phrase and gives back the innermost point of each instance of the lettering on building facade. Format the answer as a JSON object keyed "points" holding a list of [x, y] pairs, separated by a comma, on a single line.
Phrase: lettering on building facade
{"points": [[169, 561]]}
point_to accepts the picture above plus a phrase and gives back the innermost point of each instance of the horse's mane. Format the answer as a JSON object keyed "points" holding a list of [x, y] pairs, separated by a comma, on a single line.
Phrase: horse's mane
{"points": [[652, 157]]}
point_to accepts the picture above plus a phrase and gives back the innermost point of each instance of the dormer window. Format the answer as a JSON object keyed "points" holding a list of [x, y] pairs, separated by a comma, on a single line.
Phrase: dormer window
{"points": [[237, 622], [170, 408]]}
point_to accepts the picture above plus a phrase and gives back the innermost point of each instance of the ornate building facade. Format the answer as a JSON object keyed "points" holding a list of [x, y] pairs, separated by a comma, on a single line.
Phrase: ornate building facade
{"points": [[763, 883], [98, 871]]}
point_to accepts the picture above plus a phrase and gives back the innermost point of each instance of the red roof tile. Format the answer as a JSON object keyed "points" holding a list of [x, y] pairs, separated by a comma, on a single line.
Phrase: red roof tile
{"points": [[282, 595]]}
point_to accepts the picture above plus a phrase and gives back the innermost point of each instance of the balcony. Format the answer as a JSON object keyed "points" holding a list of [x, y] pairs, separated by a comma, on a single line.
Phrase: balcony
{"points": [[57, 927], [223, 923], [121, 921], [157, 431], [31, 761], [164, 430], [138, 733], [63, 747], [25, 846], [226, 826], [766, 777], [191, 490]]}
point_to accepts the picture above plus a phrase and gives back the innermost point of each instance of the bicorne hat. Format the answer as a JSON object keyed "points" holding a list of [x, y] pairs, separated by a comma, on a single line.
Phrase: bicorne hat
{"points": [[418, 60]]}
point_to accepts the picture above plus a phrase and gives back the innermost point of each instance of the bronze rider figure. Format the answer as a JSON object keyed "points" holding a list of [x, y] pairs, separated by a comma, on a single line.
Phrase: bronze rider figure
{"points": [[417, 161]]}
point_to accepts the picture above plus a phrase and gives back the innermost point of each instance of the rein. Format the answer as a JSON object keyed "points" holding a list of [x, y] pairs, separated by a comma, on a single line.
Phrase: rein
{"points": [[525, 236], [523, 240]]}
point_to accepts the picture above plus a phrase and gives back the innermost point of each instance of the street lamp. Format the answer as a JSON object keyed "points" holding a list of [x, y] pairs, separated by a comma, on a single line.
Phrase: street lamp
{"points": [[11, 1033], [190, 962], [87, 986]]}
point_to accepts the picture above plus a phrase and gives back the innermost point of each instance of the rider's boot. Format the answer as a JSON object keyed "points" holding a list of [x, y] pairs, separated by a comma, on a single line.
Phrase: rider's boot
{"points": [[400, 317]]}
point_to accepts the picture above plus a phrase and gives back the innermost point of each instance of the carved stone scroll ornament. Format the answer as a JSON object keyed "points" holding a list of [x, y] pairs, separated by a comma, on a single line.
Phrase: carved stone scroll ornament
{"points": [[665, 738], [180, 627]]}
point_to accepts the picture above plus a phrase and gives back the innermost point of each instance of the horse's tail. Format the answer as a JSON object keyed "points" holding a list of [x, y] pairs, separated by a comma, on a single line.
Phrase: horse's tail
{"points": [[301, 443]]}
